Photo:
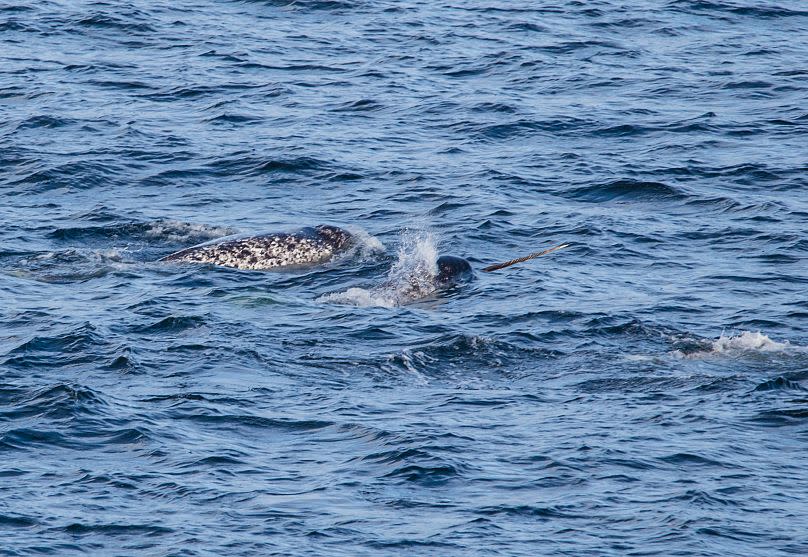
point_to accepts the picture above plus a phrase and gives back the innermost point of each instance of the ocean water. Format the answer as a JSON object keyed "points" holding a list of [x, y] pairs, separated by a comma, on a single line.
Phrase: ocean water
{"points": [[642, 392]]}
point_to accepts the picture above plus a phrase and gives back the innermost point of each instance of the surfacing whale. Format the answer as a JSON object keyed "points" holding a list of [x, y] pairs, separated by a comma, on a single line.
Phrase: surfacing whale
{"points": [[404, 286], [408, 280], [305, 247], [451, 271]]}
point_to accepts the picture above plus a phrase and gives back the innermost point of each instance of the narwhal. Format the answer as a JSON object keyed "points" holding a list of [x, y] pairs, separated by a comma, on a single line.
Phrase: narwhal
{"points": [[276, 250], [317, 245]]}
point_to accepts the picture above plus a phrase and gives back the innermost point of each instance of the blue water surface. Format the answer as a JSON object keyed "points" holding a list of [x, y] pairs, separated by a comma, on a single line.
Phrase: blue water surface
{"points": [[643, 392]]}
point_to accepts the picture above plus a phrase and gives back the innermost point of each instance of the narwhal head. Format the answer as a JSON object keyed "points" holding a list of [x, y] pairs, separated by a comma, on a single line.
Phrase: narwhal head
{"points": [[452, 270]]}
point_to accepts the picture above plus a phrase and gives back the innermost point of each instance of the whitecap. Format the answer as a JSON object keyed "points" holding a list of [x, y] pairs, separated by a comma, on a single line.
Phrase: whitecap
{"points": [[746, 342]]}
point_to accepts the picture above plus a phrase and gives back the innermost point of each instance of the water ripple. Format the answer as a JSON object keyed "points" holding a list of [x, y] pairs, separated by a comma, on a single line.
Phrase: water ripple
{"points": [[641, 392]]}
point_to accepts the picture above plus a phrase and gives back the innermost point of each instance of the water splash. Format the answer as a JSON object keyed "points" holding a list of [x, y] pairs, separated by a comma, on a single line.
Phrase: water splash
{"points": [[367, 246], [411, 277], [416, 267], [747, 341], [743, 343]]}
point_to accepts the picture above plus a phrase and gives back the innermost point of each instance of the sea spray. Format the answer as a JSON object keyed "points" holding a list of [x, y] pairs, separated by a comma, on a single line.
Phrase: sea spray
{"points": [[366, 245], [412, 276]]}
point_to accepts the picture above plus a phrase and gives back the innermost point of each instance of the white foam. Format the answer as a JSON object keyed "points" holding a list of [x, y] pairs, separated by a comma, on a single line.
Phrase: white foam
{"points": [[748, 341], [411, 277], [745, 342], [360, 297]]}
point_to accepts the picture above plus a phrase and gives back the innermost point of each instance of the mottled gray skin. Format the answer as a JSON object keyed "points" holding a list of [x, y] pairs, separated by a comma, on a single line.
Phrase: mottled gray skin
{"points": [[305, 247]]}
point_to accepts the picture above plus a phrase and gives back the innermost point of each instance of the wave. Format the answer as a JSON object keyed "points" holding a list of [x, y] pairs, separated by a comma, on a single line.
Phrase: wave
{"points": [[761, 12], [98, 250], [45, 121], [465, 358], [361, 105], [57, 402], [627, 190], [245, 164], [71, 176], [780, 384], [165, 230], [80, 345], [101, 21], [73, 265], [310, 5]]}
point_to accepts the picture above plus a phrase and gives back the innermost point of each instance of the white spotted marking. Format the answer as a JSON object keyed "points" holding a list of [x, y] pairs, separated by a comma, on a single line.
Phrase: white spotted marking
{"points": [[270, 251]]}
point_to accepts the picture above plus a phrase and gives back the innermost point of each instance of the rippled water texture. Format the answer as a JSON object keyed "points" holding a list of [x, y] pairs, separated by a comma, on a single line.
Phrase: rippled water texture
{"points": [[642, 392]]}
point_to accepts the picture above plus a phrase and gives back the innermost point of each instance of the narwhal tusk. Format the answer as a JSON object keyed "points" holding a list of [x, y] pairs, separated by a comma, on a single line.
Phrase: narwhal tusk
{"points": [[498, 266]]}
